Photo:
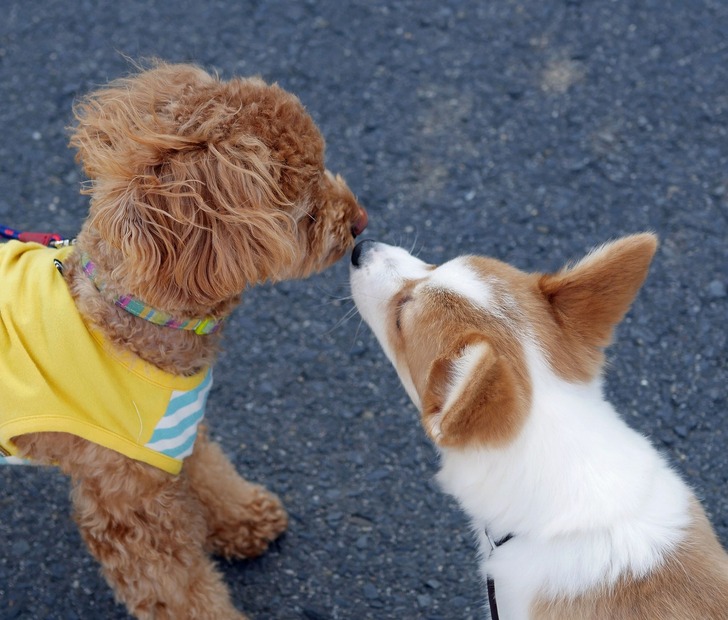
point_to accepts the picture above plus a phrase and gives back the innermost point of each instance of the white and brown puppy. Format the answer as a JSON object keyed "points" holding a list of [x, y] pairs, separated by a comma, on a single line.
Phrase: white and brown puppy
{"points": [[505, 367]]}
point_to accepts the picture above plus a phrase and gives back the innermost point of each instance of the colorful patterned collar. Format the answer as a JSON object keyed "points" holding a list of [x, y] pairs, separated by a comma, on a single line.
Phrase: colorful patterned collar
{"points": [[138, 308]]}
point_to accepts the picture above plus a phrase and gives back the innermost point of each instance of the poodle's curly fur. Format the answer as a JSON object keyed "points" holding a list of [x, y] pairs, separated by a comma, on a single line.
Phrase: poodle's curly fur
{"points": [[199, 188]]}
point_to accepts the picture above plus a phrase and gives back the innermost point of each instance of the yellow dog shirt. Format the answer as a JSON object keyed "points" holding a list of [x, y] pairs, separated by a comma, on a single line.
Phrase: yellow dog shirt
{"points": [[58, 374]]}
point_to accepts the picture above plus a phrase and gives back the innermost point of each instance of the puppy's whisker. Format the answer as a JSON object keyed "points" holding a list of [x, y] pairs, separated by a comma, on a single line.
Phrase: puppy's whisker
{"points": [[356, 334], [329, 294], [345, 319], [332, 298]]}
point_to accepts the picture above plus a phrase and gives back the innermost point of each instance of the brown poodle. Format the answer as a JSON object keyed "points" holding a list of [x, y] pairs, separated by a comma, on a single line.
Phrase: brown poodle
{"points": [[199, 188]]}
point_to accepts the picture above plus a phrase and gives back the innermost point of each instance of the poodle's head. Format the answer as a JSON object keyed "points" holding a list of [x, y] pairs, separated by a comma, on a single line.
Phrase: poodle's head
{"points": [[201, 187]]}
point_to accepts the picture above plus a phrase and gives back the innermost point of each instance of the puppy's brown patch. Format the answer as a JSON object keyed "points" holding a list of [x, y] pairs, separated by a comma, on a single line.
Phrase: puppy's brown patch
{"points": [[692, 584], [587, 301], [434, 331], [485, 407]]}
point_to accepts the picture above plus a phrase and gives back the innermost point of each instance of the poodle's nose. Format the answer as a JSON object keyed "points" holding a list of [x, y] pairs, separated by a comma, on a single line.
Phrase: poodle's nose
{"points": [[361, 223], [359, 250]]}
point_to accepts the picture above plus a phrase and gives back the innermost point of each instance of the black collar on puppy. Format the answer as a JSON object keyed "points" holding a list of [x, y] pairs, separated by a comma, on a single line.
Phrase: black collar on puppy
{"points": [[494, 544]]}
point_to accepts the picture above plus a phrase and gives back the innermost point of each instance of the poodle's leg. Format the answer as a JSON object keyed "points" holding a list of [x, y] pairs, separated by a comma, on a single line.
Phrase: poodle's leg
{"points": [[242, 517], [148, 533]]}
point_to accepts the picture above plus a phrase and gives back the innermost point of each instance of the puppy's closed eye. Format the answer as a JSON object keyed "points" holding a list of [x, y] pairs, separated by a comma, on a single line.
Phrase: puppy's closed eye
{"points": [[399, 308]]}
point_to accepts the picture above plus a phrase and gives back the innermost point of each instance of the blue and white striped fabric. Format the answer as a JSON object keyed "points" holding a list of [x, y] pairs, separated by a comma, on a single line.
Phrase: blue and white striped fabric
{"points": [[13, 460], [175, 433]]}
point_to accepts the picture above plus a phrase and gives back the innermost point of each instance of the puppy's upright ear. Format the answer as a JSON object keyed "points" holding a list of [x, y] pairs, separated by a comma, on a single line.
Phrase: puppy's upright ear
{"points": [[473, 397], [589, 299]]}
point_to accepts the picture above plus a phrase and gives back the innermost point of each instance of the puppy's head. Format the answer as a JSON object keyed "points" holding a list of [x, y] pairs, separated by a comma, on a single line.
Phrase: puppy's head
{"points": [[200, 187], [458, 334]]}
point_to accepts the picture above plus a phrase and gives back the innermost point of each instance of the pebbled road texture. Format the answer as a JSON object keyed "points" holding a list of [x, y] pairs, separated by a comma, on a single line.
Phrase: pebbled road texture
{"points": [[527, 129]]}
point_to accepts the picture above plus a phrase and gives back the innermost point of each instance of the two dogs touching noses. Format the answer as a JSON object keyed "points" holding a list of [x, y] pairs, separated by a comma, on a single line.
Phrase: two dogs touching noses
{"points": [[201, 187], [505, 368]]}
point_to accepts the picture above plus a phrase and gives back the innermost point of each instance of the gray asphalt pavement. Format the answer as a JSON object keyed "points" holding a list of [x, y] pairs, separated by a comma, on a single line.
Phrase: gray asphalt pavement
{"points": [[530, 130]]}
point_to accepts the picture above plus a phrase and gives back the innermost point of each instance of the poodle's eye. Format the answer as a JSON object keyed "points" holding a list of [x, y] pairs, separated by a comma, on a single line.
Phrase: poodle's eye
{"points": [[398, 310]]}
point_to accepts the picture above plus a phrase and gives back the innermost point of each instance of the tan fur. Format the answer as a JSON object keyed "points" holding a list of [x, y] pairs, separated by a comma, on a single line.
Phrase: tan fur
{"points": [[574, 311], [199, 188], [692, 584], [588, 300], [486, 409], [429, 360]]}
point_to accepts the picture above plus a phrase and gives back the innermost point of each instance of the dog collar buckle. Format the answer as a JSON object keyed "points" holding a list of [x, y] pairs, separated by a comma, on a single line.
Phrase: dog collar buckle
{"points": [[491, 542], [494, 544]]}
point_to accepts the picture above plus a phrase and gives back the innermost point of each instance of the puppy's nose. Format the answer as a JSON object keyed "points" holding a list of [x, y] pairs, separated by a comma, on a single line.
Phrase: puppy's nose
{"points": [[361, 223], [359, 250]]}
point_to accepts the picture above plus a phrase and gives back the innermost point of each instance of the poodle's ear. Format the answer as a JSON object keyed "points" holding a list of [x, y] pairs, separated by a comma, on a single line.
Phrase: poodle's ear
{"points": [[195, 230], [131, 119], [472, 397], [589, 299]]}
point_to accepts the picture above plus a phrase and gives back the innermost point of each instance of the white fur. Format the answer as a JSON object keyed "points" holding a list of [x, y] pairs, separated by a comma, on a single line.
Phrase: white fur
{"points": [[458, 277], [383, 271], [588, 499], [583, 513]]}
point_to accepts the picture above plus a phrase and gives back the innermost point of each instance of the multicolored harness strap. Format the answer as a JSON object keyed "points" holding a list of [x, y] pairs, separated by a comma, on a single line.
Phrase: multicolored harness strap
{"points": [[138, 308]]}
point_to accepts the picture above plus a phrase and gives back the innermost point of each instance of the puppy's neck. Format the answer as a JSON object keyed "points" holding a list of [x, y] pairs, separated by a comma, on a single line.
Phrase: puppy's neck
{"points": [[576, 478], [175, 351]]}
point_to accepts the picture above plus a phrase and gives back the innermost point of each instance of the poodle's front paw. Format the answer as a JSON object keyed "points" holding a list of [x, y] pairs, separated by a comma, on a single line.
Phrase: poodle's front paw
{"points": [[242, 518], [247, 527]]}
